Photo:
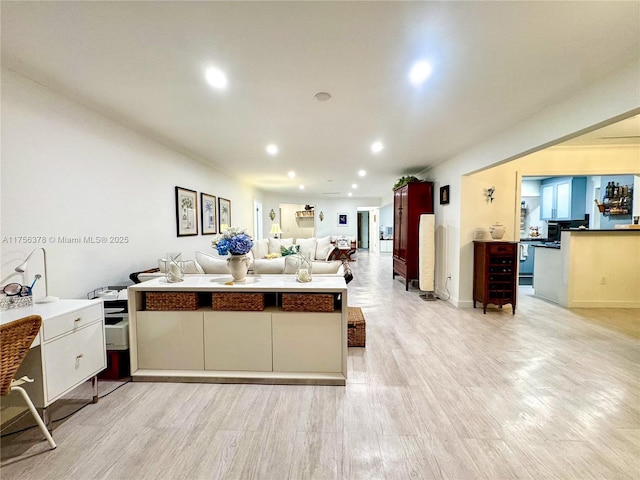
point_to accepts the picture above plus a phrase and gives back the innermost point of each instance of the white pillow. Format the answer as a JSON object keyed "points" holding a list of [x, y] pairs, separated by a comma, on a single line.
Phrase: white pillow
{"points": [[307, 247], [268, 265], [211, 263], [189, 266], [276, 243], [325, 267], [323, 248], [260, 248]]}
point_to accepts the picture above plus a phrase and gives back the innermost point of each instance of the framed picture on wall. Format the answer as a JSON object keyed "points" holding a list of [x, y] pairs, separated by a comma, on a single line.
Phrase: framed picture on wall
{"points": [[444, 195], [343, 219], [186, 212], [209, 214], [224, 214]]}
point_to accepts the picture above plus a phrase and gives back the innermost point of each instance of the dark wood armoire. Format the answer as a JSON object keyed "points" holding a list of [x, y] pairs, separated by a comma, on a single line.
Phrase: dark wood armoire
{"points": [[409, 202]]}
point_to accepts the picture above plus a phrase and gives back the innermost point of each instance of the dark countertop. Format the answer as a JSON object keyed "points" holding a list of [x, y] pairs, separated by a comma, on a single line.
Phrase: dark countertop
{"points": [[603, 230], [534, 239], [553, 245]]}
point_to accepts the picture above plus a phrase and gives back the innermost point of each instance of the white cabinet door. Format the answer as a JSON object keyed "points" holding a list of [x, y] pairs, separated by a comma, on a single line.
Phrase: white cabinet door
{"points": [[307, 342], [72, 359], [563, 201], [237, 341], [170, 340], [547, 197]]}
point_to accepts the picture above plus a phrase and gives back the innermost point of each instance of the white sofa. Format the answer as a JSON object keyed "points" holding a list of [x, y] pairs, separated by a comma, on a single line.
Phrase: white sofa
{"points": [[265, 258]]}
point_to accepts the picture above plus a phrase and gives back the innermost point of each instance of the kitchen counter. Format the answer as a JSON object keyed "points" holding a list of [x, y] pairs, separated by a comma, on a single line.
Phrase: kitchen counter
{"points": [[593, 269]]}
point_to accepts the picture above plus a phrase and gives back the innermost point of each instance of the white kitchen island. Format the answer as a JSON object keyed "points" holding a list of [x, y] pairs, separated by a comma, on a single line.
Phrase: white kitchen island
{"points": [[271, 346]]}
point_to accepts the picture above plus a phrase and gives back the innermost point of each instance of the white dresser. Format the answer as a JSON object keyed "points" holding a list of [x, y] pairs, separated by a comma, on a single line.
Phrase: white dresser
{"points": [[69, 350]]}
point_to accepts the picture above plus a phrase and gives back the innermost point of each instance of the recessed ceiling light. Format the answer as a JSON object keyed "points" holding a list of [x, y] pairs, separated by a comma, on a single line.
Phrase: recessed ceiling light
{"points": [[354, 185], [419, 73], [272, 149], [322, 96], [292, 174], [301, 187], [376, 147], [362, 173], [216, 78], [349, 194]]}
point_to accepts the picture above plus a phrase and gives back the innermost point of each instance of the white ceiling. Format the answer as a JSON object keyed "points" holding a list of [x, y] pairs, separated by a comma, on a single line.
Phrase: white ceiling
{"points": [[143, 63]]}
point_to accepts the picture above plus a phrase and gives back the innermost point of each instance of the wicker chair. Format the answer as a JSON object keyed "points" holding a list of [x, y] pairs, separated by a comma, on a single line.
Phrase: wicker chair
{"points": [[15, 340]]}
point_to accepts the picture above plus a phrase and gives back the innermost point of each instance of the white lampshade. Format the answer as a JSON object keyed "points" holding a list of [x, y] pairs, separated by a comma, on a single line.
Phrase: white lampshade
{"points": [[275, 229]]}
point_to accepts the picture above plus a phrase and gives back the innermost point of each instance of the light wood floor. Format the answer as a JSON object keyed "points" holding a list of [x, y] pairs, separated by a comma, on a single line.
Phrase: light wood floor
{"points": [[438, 392]]}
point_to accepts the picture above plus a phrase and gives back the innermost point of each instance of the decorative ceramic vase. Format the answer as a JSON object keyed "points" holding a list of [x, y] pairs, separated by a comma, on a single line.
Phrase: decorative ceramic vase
{"points": [[497, 231], [238, 266]]}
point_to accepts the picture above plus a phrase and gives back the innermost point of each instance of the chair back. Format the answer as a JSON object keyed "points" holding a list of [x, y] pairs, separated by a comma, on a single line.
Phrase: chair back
{"points": [[15, 340]]}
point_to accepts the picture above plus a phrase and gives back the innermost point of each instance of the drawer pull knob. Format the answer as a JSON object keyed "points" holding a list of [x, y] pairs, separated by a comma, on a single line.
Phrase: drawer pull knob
{"points": [[78, 319], [78, 357]]}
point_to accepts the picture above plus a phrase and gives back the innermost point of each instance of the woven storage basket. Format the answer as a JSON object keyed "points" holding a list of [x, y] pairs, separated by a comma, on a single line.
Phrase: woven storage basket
{"points": [[172, 301], [357, 329], [238, 301], [307, 302]]}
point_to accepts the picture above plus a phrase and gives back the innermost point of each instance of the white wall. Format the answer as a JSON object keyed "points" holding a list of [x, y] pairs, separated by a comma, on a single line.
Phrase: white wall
{"points": [[613, 97], [70, 172], [330, 207]]}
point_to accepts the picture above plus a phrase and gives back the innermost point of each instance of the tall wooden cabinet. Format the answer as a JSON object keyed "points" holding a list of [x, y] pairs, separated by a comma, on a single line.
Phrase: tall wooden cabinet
{"points": [[495, 273], [409, 202]]}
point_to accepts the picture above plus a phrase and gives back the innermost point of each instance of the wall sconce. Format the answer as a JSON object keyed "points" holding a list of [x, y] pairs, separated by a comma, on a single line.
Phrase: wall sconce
{"points": [[489, 193], [272, 214], [20, 269], [321, 216]]}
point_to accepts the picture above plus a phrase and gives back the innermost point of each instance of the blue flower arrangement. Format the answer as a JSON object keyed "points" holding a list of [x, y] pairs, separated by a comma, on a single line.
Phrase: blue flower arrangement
{"points": [[233, 241]]}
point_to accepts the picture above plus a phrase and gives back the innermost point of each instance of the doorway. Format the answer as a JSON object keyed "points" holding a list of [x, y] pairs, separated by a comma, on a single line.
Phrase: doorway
{"points": [[363, 230]]}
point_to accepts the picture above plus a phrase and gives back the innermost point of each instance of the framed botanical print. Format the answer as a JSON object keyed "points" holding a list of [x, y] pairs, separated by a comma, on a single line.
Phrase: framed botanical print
{"points": [[224, 214], [209, 214], [186, 212], [343, 219]]}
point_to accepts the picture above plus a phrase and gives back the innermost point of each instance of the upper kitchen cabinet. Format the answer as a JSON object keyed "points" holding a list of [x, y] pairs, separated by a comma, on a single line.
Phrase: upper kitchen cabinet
{"points": [[563, 198]]}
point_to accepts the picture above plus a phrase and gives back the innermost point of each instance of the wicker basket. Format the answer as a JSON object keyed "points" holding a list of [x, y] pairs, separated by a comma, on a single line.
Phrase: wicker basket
{"points": [[172, 301], [240, 302], [357, 329], [307, 302]]}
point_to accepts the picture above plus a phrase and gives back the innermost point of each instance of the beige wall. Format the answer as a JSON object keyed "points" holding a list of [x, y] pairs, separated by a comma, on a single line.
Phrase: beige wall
{"points": [[479, 213], [603, 269]]}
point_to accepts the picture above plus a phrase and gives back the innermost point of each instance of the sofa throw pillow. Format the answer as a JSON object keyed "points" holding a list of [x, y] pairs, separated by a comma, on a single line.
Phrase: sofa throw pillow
{"points": [[307, 247], [212, 264], [323, 248], [291, 250], [260, 248], [276, 243]]}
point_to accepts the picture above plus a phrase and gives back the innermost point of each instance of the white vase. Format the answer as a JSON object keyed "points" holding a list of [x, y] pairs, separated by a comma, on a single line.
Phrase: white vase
{"points": [[497, 231], [238, 266]]}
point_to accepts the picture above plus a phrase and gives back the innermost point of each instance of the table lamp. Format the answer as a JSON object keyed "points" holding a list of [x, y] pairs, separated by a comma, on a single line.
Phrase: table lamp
{"points": [[21, 268], [275, 230]]}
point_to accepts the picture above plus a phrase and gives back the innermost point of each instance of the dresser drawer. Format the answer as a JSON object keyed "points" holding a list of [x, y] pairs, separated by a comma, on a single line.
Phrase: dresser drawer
{"points": [[501, 249], [72, 359], [69, 322]]}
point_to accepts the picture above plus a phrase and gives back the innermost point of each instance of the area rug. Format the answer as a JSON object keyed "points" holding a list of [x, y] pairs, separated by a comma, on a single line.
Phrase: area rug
{"points": [[357, 331]]}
